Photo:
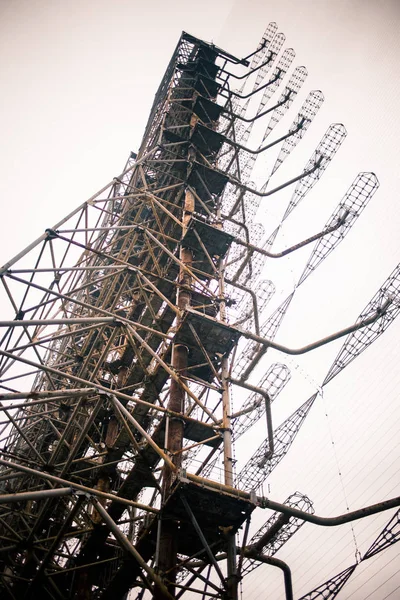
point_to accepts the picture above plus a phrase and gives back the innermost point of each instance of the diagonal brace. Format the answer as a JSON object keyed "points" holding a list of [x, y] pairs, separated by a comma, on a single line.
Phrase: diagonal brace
{"points": [[203, 540]]}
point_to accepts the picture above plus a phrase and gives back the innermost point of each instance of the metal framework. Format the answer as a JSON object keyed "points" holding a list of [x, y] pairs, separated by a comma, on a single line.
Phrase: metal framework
{"points": [[389, 535], [130, 324]]}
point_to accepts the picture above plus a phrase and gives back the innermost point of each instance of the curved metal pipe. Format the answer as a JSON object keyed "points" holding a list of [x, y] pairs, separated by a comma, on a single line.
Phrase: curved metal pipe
{"points": [[259, 89], [265, 112], [334, 336], [270, 57], [267, 400], [265, 343], [268, 560], [297, 246], [287, 574], [333, 521], [263, 502]]}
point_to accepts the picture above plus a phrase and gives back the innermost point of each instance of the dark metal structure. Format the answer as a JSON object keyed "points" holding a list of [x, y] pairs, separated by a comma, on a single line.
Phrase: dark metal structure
{"points": [[133, 320]]}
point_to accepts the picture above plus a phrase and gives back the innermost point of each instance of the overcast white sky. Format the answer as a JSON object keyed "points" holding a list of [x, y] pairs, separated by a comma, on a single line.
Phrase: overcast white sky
{"points": [[77, 80]]}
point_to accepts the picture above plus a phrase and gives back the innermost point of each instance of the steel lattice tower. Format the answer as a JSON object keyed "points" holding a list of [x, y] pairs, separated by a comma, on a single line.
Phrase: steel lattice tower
{"points": [[135, 318]]}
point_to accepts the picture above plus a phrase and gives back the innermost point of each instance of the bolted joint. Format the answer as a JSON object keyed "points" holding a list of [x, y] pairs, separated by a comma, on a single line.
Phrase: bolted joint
{"points": [[250, 552], [181, 475], [225, 429], [83, 494], [51, 234]]}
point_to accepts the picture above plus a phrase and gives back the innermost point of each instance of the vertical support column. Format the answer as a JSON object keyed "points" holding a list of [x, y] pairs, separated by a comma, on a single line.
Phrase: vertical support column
{"points": [[168, 535], [232, 579], [226, 424]]}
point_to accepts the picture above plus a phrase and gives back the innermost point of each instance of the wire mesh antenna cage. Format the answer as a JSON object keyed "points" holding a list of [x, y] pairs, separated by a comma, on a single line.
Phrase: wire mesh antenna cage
{"points": [[136, 328]]}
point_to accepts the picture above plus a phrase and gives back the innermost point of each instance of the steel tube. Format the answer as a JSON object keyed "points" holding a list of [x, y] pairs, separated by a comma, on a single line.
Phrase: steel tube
{"points": [[330, 338], [101, 388], [280, 187], [125, 543], [250, 72], [36, 495], [333, 521], [43, 237], [271, 560], [172, 374], [37, 578], [203, 540], [144, 433], [268, 146], [265, 112], [270, 533], [287, 574], [38, 322], [295, 247], [268, 413], [117, 321], [252, 93], [253, 298], [283, 508], [48, 395], [77, 486]]}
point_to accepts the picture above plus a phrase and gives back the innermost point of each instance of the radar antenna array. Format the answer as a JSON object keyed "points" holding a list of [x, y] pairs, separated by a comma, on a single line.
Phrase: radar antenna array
{"points": [[134, 333]]}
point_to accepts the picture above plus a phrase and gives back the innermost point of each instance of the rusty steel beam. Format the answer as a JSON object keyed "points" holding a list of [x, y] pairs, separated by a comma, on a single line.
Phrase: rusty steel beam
{"points": [[35, 495]]}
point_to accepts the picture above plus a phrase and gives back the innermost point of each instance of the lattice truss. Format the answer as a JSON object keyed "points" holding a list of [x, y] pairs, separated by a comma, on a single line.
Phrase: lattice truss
{"points": [[277, 530], [129, 324], [389, 535]]}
